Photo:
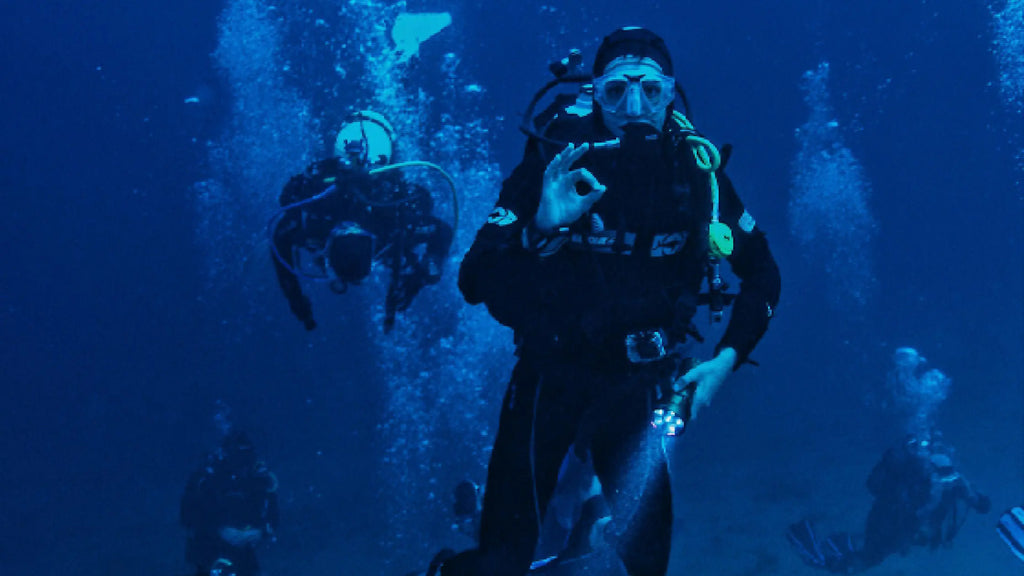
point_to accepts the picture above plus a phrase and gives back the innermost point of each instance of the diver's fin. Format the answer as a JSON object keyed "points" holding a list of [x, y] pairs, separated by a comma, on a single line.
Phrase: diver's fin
{"points": [[840, 552], [835, 553], [803, 540], [1011, 530]]}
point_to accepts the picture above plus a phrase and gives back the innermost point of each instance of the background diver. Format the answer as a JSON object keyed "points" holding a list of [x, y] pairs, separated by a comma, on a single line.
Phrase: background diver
{"points": [[920, 499], [229, 507], [344, 213]]}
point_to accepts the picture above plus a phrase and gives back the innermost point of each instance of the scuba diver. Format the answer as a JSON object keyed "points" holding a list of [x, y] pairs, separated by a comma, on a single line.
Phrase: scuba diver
{"points": [[595, 255], [346, 212], [228, 508], [920, 500]]}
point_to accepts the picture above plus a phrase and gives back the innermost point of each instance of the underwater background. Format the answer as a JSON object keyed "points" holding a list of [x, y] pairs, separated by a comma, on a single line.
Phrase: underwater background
{"points": [[880, 145]]}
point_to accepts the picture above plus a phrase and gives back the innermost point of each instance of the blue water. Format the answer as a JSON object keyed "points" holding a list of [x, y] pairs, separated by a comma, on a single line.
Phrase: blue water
{"points": [[137, 293]]}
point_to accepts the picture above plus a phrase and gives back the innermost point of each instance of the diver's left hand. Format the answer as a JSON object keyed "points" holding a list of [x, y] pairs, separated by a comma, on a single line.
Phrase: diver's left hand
{"points": [[709, 377], [240, 537]]}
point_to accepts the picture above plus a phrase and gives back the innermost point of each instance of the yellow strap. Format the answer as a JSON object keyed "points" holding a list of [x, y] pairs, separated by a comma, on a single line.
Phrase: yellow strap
{"points": [[709, 161]]}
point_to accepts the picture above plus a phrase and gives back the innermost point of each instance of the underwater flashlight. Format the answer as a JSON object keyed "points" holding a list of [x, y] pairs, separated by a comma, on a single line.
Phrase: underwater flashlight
{"points": [[673, 416]]}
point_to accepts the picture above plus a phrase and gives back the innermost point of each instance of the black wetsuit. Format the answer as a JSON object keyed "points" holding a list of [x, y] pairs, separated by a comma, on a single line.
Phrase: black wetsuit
{"points": [[915, 504], [900, 484], [635, 262], [411, 241], [920, 500], [217, 497]]}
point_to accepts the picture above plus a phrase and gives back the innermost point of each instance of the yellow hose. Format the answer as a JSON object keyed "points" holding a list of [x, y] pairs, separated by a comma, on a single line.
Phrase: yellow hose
{"points": [[709, 161], [425, 164]]}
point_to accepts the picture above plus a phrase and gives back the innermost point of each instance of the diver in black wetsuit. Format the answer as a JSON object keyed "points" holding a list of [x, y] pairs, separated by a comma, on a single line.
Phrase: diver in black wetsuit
{"points": [[346, 212], [920, 500], [229, 508], [594, 255]]}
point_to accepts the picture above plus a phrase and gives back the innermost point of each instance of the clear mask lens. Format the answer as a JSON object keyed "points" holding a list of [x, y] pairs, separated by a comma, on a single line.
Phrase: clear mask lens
{"points": [[614, 91]]}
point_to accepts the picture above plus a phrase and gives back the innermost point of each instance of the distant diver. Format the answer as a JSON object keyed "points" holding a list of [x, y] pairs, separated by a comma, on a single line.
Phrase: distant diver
{"points": [[229, 508], [920, 500], [349, 211]]}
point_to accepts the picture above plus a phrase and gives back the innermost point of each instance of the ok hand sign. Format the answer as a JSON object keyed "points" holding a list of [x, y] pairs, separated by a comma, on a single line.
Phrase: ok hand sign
{"points": [[560, 205]]}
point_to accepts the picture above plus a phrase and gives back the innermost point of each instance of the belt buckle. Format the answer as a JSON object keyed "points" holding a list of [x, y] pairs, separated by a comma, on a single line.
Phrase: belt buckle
{"points": [[645, 346]]}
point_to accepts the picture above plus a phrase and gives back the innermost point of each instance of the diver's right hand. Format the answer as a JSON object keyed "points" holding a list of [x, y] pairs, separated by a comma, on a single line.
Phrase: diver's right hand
{"points": [[709, 377], [560, 204]]}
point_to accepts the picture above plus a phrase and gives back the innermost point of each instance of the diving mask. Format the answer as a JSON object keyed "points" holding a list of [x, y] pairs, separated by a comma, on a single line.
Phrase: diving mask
{"points": [[620, 92]]}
